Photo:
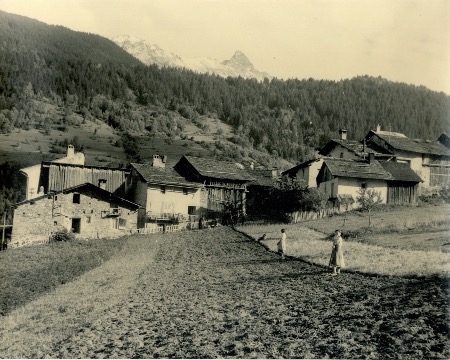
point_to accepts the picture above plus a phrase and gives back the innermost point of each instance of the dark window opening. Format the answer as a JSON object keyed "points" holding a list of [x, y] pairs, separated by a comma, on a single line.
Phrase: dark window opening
{"points": [[163, 189], [191, 210], [76, 198], [363, 185], [185, 191]]}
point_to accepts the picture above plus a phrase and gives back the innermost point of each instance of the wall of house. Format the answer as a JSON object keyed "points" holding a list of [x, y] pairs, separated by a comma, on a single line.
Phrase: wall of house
{"points": [[416, 162], [352, 186], [174, 200], [342, 153], [36, 221]]}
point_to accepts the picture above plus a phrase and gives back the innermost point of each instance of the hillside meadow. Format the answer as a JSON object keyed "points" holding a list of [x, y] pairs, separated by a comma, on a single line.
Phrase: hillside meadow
{"points": [[216, 294]]}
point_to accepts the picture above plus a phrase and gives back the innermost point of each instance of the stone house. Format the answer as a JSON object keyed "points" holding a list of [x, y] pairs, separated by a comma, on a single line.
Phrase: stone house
{"points": [[89, 211], [164, 195]]}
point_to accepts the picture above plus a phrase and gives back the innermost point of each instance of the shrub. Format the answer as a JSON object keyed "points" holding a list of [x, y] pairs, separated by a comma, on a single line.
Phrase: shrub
{"points": [[62, 235]]}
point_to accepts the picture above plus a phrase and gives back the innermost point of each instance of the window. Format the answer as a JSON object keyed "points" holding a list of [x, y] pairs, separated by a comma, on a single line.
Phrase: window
{"points": [[185, 191], [76, 198], [88, 219], [55, 223], [76, 225], [342, 155], [122, 223], [363, 185], [163, 189], [191, 210], [56, 197]]}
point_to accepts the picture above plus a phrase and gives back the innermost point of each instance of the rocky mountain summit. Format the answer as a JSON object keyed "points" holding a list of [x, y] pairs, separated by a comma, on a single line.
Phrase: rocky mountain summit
{"points": [[238, 65]]}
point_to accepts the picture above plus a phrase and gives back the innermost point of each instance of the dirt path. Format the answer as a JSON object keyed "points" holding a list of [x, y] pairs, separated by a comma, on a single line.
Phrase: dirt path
{"points": [[214, 293]]}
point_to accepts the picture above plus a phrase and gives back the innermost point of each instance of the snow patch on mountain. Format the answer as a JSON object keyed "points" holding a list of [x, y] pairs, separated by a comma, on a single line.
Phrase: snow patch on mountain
{"points": [[238, 65]]}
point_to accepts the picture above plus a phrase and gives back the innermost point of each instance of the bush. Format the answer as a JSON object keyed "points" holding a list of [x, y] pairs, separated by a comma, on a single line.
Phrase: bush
{"points": [[62, 235]]}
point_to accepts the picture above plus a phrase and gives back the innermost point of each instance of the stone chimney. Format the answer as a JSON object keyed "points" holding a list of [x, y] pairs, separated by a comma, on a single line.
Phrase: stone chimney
{"points": [[274, 173], [102, 184], [371, 157], [70, 151], [252, 165], [378, 128], [343, 134], [159, 161]]}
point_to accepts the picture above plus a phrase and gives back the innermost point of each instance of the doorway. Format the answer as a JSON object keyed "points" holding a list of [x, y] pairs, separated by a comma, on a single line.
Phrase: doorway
{"points": [[76, 225]]}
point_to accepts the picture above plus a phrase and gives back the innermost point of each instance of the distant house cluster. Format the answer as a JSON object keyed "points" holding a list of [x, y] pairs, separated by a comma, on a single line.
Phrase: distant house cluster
{"points": [[396, 166], [102, 202]]}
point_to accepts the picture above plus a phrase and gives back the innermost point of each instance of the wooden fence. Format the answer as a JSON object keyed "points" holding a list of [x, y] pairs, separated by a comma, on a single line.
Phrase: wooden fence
{"points": [[298, 216]]}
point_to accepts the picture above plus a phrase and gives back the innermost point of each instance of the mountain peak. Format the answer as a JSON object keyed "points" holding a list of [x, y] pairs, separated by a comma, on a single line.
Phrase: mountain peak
{"points": [[239, 59]]}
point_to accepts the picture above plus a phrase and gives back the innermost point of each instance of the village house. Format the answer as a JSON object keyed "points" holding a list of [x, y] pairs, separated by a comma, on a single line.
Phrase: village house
{"points": [[164, 195], [306, 171], [225, 182], [88, 211], [429, 159], [342, 179], [341, 148]]}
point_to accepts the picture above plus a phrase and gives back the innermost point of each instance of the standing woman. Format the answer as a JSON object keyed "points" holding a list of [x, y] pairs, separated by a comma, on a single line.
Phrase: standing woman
{"points": [[337, 256], [282, 244]]}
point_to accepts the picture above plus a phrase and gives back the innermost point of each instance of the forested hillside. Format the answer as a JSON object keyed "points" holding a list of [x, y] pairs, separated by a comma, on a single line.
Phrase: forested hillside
{"points": [[90, 75]]}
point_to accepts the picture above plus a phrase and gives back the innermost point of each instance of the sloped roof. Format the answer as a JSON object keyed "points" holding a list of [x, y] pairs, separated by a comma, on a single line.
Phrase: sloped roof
{"points": [[354, 146], [163, 176], [293, 170], [87, 187], [218, 169], [401, 142], [400, 171], [360, 169], [263, 178]]}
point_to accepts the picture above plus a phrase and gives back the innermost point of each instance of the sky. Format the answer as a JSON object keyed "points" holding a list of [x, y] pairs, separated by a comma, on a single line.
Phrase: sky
{"points": [[401, 40]]}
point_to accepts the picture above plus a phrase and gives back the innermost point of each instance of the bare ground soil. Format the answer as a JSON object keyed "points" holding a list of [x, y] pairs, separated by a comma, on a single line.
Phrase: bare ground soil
{"points": [[217, 294]]}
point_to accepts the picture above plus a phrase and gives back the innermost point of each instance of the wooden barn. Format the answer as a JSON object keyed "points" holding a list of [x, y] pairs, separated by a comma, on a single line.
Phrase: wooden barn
{"points": [[57, 177], [402, 189], [225, 182]]}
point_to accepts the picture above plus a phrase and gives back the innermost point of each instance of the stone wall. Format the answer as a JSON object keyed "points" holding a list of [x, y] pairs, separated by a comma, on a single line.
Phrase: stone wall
{"points": [[36, 221]]}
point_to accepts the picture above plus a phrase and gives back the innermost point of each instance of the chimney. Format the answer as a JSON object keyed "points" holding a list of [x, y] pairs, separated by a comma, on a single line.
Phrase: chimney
{"points": [[343, 134], [252, 165], [274, 173], [159, 161], [102, 184], [371, 157], [70, 151], [378, 128]]}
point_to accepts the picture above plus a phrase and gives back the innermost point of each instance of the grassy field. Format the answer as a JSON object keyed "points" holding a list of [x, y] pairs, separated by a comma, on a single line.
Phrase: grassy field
{"points": [[405, 242], [216, 294], [29, 272]]}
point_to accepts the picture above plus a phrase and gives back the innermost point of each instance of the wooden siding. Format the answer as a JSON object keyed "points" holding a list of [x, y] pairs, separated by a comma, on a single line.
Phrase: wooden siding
{"points": [[401, 194], [61, 177]]}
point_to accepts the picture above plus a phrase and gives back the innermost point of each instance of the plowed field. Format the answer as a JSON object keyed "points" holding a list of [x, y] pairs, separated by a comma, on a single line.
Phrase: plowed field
{"points": [[215, 293]]}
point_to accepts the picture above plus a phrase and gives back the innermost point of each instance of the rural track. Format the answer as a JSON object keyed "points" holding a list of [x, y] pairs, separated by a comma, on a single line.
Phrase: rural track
{"points": [[215, 293]]}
